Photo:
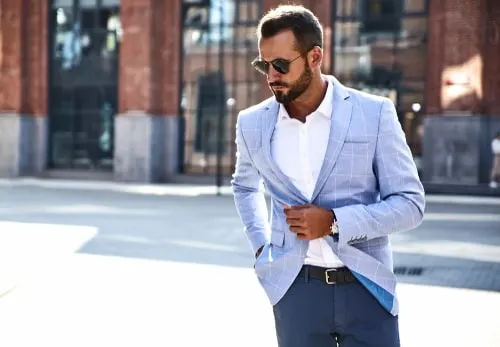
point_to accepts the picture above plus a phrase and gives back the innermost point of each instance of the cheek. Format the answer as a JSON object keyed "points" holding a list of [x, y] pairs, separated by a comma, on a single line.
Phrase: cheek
{"points": [[292, 79]]}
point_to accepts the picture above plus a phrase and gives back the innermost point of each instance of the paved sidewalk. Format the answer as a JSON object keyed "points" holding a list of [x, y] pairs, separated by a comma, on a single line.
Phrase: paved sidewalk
{"points": [[90, 300], [131, 265], [191, 189]]}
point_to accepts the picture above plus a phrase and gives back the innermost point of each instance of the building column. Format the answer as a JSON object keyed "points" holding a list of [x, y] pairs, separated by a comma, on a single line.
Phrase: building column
{"points": [[23, 87], [491, 71], [460, 84], [147, 126]]}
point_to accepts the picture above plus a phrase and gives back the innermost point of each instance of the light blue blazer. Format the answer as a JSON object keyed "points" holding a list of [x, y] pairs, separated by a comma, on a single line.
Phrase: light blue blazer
{"points": [[368, 178]]}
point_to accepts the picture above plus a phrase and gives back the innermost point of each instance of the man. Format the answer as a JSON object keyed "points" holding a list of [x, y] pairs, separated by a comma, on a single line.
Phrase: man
{"points": [[341, 179], [495, 169]]}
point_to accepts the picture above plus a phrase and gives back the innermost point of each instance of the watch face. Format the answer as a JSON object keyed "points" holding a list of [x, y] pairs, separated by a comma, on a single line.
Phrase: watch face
{"points": [[335, 228]]}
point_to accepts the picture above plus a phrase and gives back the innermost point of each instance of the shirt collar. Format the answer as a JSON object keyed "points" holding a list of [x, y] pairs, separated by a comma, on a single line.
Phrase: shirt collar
{"points": [[325, 108]]}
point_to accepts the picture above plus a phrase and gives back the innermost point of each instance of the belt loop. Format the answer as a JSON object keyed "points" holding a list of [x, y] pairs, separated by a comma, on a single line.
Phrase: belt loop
{"points": [[307, 274]]}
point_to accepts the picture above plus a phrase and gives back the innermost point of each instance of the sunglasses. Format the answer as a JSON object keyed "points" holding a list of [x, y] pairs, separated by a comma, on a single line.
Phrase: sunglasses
{"points": [[281, 65]]}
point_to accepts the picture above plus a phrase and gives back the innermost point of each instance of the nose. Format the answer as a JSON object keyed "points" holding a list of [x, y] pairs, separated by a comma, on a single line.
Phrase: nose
{"points": [[272, 74]]}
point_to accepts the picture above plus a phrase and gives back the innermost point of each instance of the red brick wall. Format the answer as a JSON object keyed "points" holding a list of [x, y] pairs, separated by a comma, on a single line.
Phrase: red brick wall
{"points": [[149, 56], [35, 57], [463, 44], [458, 31], [491, 75], [135, 56], [435, 47], [23, 63], [11, 68]]}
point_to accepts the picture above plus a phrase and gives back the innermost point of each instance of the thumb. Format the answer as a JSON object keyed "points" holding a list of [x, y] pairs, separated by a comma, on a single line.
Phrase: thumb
{"points": [[298, 207]]}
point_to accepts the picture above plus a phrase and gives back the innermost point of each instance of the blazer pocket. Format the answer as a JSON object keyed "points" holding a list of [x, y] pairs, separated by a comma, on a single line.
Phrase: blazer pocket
{"points": [[277, 238]]}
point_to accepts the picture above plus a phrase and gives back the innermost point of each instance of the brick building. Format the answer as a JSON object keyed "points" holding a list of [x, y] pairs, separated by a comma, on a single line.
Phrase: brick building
{"points": [[141, 90]]}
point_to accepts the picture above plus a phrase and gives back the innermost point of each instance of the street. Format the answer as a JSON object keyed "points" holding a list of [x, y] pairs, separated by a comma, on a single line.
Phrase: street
{"points": [[123, 265]]}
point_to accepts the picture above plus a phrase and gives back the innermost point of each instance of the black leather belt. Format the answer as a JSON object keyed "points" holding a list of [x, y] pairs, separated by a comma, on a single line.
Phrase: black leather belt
{"points": [[330, 276]]}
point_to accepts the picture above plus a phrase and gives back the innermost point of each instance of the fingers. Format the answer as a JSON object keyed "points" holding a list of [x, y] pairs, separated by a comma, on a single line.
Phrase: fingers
{"points": [[301, 233], [294, 213], [295, 218], [297, 229], [302, 236], [296, 207], [294, 221]]}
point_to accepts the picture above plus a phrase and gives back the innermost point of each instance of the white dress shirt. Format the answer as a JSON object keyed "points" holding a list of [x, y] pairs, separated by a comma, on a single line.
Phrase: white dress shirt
{"points": [[495, 146], [299, 150]]}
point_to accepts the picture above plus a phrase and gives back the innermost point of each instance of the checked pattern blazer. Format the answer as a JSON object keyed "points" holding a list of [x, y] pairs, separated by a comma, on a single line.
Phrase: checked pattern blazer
{"points": [[368, 178]]}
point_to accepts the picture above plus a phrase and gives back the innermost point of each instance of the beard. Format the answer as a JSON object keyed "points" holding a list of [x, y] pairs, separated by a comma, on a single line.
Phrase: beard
{"points": [[295, 89]]}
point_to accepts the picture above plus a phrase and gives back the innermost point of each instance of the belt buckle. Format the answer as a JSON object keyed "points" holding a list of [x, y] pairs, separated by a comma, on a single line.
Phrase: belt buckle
{"points": [[327, 275]]}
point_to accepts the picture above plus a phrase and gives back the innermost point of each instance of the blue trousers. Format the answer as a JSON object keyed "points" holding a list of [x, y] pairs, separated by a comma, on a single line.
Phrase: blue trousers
{"points": [[315, 314]]}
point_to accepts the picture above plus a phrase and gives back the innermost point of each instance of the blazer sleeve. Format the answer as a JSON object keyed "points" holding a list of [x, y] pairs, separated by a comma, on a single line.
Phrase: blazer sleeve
{"points": [[248, 192], [402, 201]]}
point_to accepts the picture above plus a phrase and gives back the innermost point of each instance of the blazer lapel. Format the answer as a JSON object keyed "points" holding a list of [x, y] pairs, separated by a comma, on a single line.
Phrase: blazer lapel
{"points": [[269, 119], [339, 126]]}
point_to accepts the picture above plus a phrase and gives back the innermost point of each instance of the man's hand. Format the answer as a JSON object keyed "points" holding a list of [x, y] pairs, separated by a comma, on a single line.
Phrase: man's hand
{"points": [[309, 221]]}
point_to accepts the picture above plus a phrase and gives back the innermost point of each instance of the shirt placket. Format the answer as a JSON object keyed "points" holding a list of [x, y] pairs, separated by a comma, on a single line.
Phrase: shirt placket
{"points": [[307, 172]]}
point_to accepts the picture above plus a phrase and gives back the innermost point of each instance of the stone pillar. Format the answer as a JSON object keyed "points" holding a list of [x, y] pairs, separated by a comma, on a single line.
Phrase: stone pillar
{"points": [[147, 126], [23, 87], [462, 85]]}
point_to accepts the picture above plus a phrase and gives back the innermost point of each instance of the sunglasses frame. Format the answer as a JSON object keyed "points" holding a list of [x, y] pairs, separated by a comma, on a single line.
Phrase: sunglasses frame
{"points": [[257, 62]]}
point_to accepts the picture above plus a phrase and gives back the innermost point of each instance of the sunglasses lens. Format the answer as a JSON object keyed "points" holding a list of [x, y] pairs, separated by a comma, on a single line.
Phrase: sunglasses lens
{"points": [[281, 66], [261, 66]]}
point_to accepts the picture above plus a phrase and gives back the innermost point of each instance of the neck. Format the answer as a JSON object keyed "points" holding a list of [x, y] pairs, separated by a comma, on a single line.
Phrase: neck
{"points": [[309, 101]]}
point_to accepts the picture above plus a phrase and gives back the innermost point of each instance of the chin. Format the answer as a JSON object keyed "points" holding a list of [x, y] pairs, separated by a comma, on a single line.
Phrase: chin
{"points": [[281, 98]]}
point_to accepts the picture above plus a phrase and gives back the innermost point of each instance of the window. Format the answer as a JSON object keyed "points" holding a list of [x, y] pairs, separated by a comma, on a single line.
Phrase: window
{"points": [[212, 20], [381, 16], [221, 16], [210, 113]]}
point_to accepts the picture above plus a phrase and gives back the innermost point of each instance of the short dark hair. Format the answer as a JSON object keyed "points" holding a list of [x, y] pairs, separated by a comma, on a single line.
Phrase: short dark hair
{"points": [[301, 21]]}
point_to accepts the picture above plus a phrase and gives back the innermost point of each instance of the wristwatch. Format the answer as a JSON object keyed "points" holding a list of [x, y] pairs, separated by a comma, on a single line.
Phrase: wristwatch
{"points": [[334, 227]]}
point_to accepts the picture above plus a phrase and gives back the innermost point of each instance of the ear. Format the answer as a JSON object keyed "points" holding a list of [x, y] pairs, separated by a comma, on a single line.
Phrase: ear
{"points": [[315, 57]]}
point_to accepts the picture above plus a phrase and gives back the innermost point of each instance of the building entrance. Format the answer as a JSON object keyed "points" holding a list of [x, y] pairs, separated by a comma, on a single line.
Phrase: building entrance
{"points": [[84, 40]]}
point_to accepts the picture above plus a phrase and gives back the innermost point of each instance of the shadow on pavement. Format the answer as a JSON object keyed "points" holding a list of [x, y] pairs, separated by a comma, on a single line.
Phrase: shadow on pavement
{"points": [[207, 230]]}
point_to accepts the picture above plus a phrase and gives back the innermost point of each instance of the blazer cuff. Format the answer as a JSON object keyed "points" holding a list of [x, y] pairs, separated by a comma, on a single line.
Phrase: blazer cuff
{"points": [[257, 240], [350, 226]]}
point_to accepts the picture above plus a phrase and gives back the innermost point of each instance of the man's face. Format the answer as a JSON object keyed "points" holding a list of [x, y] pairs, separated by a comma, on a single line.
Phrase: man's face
{"points": [[286, 87]]}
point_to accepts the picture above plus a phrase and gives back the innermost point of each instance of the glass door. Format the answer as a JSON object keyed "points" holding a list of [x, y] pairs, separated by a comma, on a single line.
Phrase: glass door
{"points": [[83, 83]]}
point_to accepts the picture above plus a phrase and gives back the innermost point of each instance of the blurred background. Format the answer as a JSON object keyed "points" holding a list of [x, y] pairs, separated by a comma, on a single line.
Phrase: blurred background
{"points": [[117, 125], [149, 90]]}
